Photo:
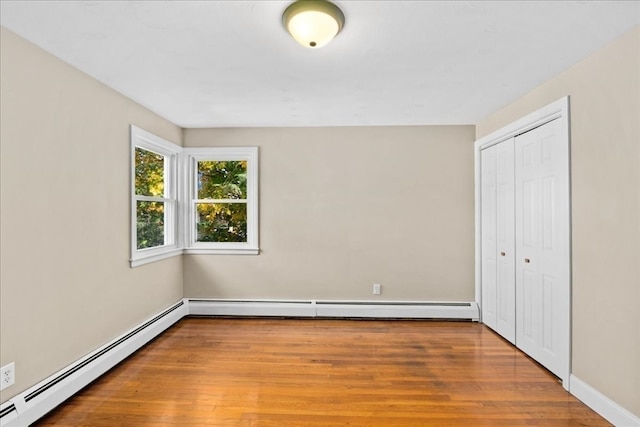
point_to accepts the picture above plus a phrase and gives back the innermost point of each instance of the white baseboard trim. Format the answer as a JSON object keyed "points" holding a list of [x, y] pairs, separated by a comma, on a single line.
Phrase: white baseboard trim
{"points": [[38, 400], [348, 309], [600, 403]]}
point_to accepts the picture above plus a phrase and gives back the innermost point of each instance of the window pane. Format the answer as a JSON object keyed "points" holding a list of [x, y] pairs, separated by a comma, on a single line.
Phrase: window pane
{"points": [[150, 224], [221, 222], [149, 173], [222, 180]]}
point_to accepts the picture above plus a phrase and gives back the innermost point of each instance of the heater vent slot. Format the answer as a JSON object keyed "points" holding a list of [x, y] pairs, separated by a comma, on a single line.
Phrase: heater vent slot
{"points": [[6, 411]]}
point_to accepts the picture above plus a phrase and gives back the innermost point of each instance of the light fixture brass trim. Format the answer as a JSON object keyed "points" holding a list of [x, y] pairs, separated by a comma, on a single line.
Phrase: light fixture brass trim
{"points": [[319, 6]]}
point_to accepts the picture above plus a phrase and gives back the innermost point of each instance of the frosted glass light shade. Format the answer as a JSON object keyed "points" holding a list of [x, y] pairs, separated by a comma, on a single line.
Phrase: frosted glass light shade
{"points": [[313, 23]]}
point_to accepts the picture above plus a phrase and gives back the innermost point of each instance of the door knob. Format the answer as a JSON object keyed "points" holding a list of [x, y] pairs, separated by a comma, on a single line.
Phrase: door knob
{"points": [[527, 260], [502, 254]]}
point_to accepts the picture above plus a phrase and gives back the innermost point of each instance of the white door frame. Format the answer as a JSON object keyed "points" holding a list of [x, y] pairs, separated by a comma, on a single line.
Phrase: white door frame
{"points": [[556, 110]]}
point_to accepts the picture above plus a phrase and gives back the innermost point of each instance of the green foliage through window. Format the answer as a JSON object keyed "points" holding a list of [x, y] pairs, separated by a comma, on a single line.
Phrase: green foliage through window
{"points": [[149, 224], [149, 173], [220, 180], [222, 222], [149, 181], [226, 219]]}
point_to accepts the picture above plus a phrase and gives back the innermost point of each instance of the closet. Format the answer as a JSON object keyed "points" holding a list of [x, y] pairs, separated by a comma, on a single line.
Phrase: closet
{"points": [[524, 222]]}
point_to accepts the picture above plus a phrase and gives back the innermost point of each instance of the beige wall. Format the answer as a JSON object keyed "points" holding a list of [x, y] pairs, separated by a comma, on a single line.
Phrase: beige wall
{"points": [[66, 286], [604, 92], [343, 208]]}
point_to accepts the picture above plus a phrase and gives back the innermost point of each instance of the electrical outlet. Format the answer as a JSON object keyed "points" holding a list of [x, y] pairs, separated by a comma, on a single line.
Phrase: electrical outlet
{"points": [[7, 375], [377, 288]]}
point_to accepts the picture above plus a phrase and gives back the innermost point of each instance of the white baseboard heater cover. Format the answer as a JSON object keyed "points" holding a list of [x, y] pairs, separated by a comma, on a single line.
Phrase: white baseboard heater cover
{"points": [[399, 310], [27, 407], [204, 307], [342, 309]]}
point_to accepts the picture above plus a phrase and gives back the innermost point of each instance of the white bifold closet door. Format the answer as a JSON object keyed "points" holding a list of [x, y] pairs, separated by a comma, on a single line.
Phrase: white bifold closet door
{"points": [[498, 239], [525, 243], [542, 246]]}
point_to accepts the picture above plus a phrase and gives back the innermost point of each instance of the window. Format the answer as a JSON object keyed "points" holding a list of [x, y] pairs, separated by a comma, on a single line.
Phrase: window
{"points": [[193, 200], [222, 200], [154, 198]]}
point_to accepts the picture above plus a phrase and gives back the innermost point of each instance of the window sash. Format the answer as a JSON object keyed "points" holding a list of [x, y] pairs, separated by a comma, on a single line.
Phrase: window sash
{"points": [[167, 162], [170, 222], [200, 221], [193, 156], [171, 241]]}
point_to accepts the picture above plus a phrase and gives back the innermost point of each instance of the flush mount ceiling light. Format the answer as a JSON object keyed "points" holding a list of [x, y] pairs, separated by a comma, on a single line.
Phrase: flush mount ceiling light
{"points": [[313, 23]]}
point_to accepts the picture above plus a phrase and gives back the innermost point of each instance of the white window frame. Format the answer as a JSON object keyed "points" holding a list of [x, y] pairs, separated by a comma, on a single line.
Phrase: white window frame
{"points": [[191, 157], [171, 152]]}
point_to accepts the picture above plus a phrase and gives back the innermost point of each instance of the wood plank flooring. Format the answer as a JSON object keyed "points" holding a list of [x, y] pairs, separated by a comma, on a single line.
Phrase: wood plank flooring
{"points": [[282, 372]]}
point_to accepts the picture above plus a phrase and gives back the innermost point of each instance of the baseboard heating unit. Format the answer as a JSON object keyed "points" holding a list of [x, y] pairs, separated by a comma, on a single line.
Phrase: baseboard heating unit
{"points": [[27, 407], [341, 309]]}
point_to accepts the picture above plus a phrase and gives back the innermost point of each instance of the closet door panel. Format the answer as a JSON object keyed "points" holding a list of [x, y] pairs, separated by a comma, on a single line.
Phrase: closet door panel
{"points": [[527, 288], [542, 247], [488, 236], [505, 241]]}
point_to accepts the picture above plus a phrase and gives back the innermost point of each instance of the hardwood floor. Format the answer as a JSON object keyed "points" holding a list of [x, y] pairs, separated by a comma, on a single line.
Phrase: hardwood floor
{"points": [[281, 372]]}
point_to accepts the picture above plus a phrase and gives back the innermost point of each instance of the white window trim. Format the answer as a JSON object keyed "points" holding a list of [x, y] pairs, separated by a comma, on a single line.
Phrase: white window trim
{"points": [[147, 141], [191, 157]]}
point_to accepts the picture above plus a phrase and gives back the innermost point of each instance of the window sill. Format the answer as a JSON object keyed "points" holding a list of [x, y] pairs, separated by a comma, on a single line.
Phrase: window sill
{"points": [[149, 258], [221, 251]]}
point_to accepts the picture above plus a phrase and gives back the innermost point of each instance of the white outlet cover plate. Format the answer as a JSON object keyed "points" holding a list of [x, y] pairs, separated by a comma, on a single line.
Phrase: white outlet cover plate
{"points": [[7, 375]]}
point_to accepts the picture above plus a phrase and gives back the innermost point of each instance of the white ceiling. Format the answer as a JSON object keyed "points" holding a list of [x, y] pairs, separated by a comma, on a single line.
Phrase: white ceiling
{"points": [[231, 63]]}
